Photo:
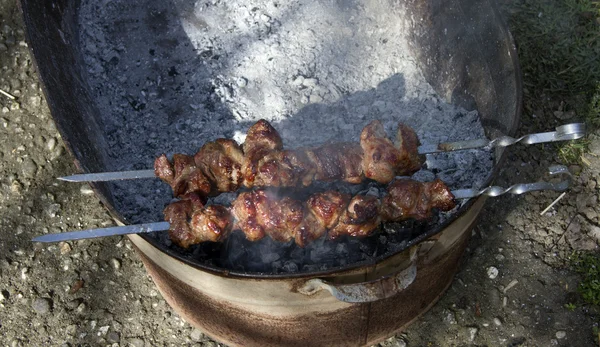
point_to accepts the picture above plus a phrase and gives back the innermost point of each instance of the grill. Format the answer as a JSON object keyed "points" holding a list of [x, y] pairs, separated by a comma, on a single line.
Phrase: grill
{"points": [[462, 50]]}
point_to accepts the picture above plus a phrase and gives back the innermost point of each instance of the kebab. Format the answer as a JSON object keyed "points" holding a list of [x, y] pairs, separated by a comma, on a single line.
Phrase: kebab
{"points": [[224, 166], [262, 213], [356, 218]]}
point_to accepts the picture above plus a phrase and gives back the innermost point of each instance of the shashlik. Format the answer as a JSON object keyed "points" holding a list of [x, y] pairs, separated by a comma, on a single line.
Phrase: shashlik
{"points": [[262, 212], [224, 166]]}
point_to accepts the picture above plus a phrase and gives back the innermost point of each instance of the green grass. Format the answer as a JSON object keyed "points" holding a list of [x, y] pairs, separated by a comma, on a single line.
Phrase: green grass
{"points": [[588, 265], [558, 43]]}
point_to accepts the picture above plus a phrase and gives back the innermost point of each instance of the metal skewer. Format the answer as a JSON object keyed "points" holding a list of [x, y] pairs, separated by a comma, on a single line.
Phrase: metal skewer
{"points": [[492, 191], [566, 132]]}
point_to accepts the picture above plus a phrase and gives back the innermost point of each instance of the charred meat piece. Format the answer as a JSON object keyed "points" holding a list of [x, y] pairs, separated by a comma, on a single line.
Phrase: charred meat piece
{"points": [[261, 139], [360, 218], [407, 143], [284, 169], [182, 175], [262, 213], [382, 160], [408, 199], [221, 162], [212, 223], [244, 211], [179, 214], [337, 161]]}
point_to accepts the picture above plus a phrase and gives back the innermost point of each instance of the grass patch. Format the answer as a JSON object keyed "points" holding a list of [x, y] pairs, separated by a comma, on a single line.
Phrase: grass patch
{"points": [[558, 42], [588, 265]]}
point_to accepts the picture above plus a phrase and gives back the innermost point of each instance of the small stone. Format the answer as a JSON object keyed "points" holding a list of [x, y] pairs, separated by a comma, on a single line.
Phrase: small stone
{"points": [[114, 337], [29, 168], [15, 186], [52, 209], [51, 144], [3, 47], [81, 308], [304, 99], [71, 329], [16, 343], [86, 190], [472, 333], [561, 334], [64, 248], [492, 272], [42, 305], [103, 330], [135, 342], [497, 321], [72, 304], [196, 335], [265, 18], [14, 106], [35, 101], [450, 318], [115, 263]]}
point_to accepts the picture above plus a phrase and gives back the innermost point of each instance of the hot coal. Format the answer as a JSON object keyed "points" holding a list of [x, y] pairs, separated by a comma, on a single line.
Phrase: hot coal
{"points": [[169, 76]]}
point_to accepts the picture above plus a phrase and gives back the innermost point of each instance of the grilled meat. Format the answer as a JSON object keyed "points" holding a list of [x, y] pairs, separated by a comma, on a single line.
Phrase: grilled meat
{"points": [[262, 213], [262, 162]]}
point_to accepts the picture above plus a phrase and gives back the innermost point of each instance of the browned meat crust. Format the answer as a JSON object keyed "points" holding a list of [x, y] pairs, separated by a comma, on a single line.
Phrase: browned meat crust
{"points": [[263, 213], [223, 165]]}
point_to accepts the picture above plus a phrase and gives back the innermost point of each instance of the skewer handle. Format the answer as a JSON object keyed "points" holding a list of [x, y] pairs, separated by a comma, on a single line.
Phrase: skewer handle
{"points": [[521, 187], [565, 132]]}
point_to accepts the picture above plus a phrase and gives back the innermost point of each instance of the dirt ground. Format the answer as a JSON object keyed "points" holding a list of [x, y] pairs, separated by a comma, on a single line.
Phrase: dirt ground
{"points": [[96, 293]]}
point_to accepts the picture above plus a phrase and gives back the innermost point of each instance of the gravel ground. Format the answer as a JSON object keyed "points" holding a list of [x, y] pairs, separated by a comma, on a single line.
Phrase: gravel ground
{"points": [[97, 293]]}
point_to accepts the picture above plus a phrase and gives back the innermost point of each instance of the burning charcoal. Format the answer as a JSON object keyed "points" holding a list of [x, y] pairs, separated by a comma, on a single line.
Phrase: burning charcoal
{"points": [[342, 249], [382, 239], [310, 268], [277, 266], [290, 266], [268, 258]]}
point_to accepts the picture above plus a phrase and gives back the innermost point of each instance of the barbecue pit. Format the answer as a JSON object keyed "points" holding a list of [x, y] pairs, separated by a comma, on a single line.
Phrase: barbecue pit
{"points": [[460, 48]]}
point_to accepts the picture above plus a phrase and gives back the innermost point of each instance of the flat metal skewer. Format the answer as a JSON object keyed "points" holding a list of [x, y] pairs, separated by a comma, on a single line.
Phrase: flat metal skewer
{"points": [[566, 132], [492, 191]]}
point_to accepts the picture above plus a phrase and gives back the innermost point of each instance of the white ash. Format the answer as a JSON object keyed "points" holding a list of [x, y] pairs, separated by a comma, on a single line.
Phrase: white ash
{"points": [[170, 76]]}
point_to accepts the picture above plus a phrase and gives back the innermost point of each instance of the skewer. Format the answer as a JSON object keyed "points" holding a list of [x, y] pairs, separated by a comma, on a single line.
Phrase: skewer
{"points": [[492, 191], [565, 132]]}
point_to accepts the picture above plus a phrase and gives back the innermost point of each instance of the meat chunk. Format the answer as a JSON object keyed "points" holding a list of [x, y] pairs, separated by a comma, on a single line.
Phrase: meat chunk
{"points": [[221, 161], [182, 175], [309, 229], [284, 169], [244, 211], [359, 219], [380, 159], [261, 213], [327, 207], [337, 161], [178, 214], [261, 139], [212, 223], [409, 199], [407, 143]]}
